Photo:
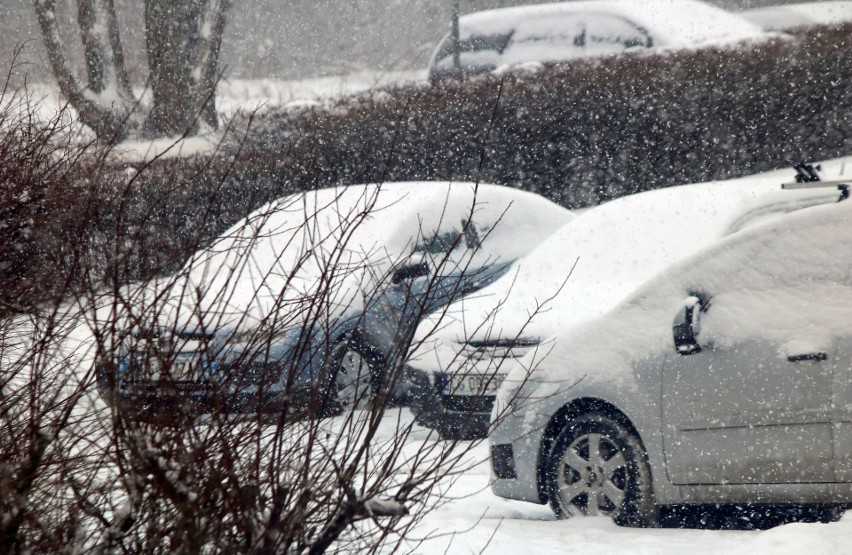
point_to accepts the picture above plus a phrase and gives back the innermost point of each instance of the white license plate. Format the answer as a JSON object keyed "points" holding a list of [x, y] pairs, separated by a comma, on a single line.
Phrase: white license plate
{"points": [[186, 366], [472, 384]]}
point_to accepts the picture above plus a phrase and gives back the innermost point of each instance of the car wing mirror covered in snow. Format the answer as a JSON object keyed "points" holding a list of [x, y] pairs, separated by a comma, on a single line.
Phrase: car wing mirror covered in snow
{"points": [[687, 325]]}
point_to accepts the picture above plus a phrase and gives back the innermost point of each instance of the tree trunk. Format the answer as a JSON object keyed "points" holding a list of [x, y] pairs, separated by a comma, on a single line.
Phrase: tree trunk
{"points": [[109, 116], [183, 40]]}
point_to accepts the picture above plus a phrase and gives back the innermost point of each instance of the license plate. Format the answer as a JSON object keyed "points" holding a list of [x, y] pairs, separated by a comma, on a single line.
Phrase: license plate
{"points": [[146, 366], [186, 366], [472, 384]]}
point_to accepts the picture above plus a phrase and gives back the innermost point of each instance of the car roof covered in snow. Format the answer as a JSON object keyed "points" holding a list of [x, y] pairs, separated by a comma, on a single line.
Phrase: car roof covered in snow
{"points": [[341, 242], [805, 14], [595, 261], [793, 271], [681, 23]]}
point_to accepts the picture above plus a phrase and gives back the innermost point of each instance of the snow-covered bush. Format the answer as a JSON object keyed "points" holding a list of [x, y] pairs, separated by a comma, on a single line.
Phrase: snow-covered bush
{"points": [[80, 475]]}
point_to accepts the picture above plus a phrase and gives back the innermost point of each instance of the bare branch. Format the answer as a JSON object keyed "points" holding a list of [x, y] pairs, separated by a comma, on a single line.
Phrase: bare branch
{"points": [[109, 122]]}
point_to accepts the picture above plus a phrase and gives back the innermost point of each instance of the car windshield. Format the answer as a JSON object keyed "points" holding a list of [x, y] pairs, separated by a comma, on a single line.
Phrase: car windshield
{"points": [[475, 43]]}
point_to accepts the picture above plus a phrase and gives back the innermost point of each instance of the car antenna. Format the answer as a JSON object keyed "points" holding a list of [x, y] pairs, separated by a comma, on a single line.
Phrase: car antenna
{"points": [[808, 177]]}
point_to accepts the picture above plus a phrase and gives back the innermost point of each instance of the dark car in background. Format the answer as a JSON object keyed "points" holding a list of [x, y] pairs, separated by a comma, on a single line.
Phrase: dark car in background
{"points": [[319, 370]]}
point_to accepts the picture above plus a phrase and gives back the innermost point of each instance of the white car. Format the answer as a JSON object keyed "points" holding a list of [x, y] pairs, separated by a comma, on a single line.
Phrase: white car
{"points": [[725, 379], [569, 30], [789, 17], [580, 272]]}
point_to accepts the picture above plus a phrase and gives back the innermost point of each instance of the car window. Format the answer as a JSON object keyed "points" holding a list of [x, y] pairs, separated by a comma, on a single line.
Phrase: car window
{"points": [[571, 36], [779, 282], [474, 50], [613, 34], [546, 39]]}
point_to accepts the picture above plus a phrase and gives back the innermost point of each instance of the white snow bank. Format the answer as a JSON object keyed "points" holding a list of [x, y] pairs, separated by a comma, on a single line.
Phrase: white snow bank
{"points": [[134, 152], [234, 95], [797, 538], [476, 518]]}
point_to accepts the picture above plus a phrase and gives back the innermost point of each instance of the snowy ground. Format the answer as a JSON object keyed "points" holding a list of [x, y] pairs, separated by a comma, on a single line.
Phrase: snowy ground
{"points": [[233, 96], [249, 94], [477, 521]]}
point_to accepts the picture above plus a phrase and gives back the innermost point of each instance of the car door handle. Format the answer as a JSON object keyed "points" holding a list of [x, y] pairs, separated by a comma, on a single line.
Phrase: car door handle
{"points": [[807, 356]]}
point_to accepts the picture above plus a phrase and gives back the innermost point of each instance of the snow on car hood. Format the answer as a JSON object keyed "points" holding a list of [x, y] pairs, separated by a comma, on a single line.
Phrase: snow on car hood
{"points": [[595, 261], [321, 252]]}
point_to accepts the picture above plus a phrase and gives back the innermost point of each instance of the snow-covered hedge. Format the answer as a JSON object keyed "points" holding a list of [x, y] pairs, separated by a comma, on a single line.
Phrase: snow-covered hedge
{"points": [[587, 131], [578, 133]]}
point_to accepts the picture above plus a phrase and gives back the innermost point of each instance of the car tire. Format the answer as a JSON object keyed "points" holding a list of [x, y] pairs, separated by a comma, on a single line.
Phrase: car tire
{"points": [[352, 374], [613, 479], [459, 433]]}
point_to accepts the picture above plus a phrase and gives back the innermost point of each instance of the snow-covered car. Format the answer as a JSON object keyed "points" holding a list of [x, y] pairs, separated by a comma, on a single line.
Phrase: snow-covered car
{"points": [[315, 293], [789, 17], [569, 30], [580, 272], [723, 380]]}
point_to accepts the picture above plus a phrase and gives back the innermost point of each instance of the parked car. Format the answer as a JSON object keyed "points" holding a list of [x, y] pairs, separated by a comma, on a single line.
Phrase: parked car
{"points": [[723, 380], [790, 17], [307, 301], [580, 272], [570, 30]]}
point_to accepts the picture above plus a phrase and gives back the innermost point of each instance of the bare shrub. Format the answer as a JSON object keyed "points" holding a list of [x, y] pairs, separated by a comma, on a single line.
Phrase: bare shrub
{"points": [[187, 414]]}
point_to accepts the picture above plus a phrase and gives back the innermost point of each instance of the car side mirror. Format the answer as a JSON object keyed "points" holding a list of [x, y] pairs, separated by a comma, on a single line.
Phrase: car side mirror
{"points": [[410, 271], [687, 325]]}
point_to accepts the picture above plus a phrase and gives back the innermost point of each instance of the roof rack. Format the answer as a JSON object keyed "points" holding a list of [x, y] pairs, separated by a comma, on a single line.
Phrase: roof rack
{"points": [[808, 177]]}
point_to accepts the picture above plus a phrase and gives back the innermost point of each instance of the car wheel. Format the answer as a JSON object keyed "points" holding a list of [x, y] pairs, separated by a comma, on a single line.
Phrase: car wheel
{"points": [[352, 375], [598, 467]]}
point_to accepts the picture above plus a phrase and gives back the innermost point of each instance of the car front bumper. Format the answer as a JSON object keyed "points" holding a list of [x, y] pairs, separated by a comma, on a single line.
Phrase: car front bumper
{"points": [[452, 416], [515, 447], [174, 401]]}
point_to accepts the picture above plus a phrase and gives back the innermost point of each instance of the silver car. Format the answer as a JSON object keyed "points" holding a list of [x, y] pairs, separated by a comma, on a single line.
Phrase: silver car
{"points": [[726, 379]]}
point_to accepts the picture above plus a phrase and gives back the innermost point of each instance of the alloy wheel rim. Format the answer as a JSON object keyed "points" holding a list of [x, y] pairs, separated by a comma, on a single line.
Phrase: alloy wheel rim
{"points": [[592, 477]]}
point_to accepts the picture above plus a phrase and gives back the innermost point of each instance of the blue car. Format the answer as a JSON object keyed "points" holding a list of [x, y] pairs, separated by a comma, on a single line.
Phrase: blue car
{"points": [[315, 326], [310, 370]]}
